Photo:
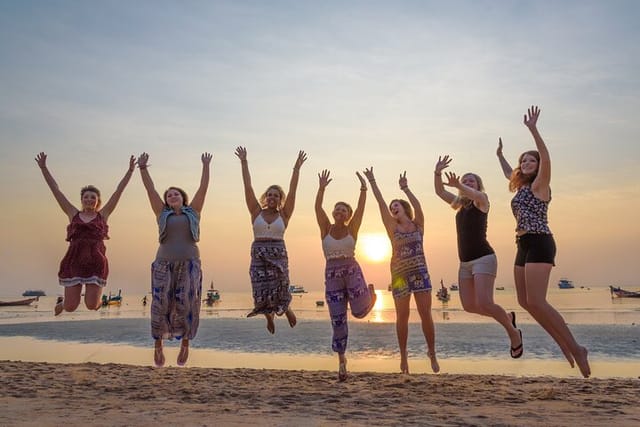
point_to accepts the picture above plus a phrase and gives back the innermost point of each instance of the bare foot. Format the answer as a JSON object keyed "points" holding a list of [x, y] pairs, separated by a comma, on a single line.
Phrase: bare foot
{"points": [[183, 355], [271, 327], [158, 355], [435, 367], [404, 366], [583, 362], [291, 317], [342, 371], [59, 307]]}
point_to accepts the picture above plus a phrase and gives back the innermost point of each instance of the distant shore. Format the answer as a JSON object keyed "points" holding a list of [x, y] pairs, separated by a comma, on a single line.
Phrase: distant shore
{"points": [[46, 394]]}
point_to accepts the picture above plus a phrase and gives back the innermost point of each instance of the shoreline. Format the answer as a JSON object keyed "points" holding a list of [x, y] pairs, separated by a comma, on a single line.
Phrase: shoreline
{"points": [[117, 394]]}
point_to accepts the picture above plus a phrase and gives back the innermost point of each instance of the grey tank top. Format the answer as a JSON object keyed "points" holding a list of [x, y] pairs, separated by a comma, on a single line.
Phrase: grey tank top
{"points": [[178, 245]]}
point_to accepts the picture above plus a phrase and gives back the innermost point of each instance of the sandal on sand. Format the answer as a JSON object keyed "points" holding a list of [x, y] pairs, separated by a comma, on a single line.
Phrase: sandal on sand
{"points": [[59, 308], [291, 317], [435, 366], [183, 355], [342, 371], [158, 356]]}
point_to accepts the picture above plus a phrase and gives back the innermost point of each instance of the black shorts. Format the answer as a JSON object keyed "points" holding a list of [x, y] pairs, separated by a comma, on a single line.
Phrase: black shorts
{"points": [[535, 248]]}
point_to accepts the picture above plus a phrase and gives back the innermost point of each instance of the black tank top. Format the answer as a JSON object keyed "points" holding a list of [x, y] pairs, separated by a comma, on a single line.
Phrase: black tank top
{"points": [[471, 224]]}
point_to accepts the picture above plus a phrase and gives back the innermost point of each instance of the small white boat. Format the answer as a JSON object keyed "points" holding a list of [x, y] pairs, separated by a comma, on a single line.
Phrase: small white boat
{"points": [[213, 296], [454, 287], [294, 289]]}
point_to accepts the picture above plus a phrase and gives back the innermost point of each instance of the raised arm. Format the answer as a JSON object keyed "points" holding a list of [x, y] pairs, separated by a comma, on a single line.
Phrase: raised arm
{"points": [[198, 199], [504, 164], [443, 163], [479, 198], [62, 200], [157, 204], [290, 202], [110, 206], [356, 220], [540, 185], [387, 219], [418, 214], [323, 220], [249, 196]]}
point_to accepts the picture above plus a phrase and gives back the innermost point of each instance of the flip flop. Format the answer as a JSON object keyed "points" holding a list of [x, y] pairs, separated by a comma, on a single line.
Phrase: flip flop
{"points": [[518, 351]]}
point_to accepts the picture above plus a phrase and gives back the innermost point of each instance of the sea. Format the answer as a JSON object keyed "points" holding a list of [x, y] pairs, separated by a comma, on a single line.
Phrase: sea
{"points": [[608, 327]]}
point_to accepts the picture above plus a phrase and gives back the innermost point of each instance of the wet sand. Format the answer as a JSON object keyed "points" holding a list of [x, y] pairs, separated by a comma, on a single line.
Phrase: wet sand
{"points": [[43, 394]]}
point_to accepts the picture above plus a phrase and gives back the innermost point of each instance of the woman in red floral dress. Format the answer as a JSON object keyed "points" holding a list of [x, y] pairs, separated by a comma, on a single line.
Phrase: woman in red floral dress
{"points": [[85, 262]]}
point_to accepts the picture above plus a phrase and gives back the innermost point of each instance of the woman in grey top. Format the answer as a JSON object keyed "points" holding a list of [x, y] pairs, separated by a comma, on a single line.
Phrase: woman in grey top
{"points": [[176, 274]]}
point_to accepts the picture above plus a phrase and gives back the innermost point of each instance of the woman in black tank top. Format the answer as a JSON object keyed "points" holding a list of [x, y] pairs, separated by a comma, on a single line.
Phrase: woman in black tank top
{"points": [[478, 263]]}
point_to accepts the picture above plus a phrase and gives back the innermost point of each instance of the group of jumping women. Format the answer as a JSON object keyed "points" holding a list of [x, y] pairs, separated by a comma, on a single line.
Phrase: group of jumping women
{"points": [[176, 273]]}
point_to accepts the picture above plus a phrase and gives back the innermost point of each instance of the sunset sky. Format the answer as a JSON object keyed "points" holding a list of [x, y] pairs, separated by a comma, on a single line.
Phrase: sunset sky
{"points": [[353, 83]]}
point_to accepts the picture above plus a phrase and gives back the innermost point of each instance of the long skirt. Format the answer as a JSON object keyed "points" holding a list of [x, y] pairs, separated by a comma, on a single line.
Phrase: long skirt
{"points": [[269, 273], [176, 287]]}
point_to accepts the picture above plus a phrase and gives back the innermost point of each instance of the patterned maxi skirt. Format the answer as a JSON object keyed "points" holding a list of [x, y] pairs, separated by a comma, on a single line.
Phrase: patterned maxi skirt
{"points": [[176, 287], [269, 273]]}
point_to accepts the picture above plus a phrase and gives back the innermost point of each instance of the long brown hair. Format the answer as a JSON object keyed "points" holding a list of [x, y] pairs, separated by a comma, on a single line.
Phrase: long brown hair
{"points": [[518, 179], [406, 205]]}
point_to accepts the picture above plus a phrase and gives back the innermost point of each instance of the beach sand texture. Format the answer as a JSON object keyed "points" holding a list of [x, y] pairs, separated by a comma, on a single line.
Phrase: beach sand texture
{"points": [[43, 394]]}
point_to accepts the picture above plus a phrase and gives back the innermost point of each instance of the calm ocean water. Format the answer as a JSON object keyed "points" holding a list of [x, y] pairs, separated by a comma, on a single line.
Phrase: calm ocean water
{"points": [[610, 329]]}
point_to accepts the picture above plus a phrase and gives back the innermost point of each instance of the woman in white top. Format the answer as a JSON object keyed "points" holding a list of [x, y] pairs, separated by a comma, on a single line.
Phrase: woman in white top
{"points": [[344, 281], [269, 270]]}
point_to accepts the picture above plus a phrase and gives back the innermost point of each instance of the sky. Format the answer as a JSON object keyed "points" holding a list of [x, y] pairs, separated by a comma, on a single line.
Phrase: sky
{"points": [[355, 84]]}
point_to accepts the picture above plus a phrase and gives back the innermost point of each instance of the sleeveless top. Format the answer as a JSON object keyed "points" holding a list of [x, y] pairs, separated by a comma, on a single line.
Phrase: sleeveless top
{"points": [[263, 230], [471, 225], [192, 216], [530, 212], [338, 248], [408, 252], [96, 229], [177, 242]]}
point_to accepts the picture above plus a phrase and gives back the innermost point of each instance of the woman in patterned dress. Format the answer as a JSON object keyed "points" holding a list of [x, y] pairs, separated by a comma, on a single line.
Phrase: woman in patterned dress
{"points": [[269, 269], [536, 248], [176, 273], [409, 273], [85, 262], [344, 281]]}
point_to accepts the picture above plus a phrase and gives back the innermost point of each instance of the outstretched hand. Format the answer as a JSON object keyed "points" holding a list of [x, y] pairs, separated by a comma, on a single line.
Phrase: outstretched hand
{"points": [[443, 163], [403, 180], [132, 163], [142, 160], [453, 180], [499, 149], [531, 118], [206, 158], [241, 152], [302, 157], [41, 159], [368, 172], [363, 183], [323, 178]]}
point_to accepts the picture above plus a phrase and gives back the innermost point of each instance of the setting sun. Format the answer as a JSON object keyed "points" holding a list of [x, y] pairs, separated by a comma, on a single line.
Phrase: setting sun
{"points": [[374, 246]]}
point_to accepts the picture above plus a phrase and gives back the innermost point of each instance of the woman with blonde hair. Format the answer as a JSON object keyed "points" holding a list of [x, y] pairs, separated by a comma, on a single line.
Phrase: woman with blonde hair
{"points": [[269, 269], [478, 262]]}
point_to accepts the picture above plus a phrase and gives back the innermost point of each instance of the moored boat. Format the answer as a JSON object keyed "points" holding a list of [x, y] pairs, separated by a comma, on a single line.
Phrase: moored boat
{"points": [[565, 284], [443, 293], [112, 299], [34, 293], [27, 301], [213, 295], [294, 289], [454, 287], [616, 291]]}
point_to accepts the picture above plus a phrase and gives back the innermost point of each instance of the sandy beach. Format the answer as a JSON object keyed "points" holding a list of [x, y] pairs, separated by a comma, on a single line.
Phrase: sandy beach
{"points": [[44, 394]]}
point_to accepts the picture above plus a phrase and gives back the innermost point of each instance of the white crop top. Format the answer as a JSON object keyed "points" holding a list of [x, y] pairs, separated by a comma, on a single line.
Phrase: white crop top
{"points": [[263, 230], [334, 248]]}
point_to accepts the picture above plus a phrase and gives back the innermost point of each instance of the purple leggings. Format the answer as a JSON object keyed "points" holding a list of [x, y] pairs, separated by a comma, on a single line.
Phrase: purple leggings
{"points": [[344, 283]]}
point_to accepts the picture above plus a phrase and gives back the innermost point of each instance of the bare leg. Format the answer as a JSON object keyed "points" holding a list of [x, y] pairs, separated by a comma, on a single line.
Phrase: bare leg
{"points": [[71, 301], [183, 355], [158, 354], [522, 291], [423, 303], [402, 329], [537, 282], [291, 317], [342, 367], [92, 297]]}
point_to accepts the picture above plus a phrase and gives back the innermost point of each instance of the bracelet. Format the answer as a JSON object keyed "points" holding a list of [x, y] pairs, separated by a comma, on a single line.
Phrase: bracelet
{"points": [[142, 167], [363, 188]]}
